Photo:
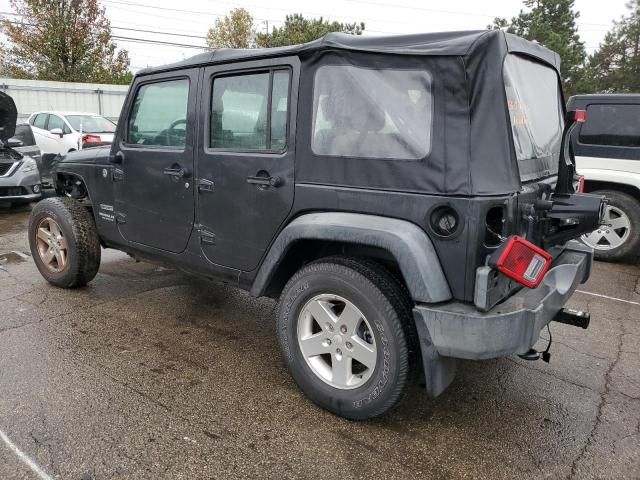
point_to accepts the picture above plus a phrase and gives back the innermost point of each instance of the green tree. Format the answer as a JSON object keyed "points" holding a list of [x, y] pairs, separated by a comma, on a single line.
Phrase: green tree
{"points": [[552, 23], [233, 31], [297, 29], [615, 66], [63, 40]]}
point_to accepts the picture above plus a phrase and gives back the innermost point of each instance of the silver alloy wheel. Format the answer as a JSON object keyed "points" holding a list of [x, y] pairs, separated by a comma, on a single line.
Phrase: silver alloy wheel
{"points": [[51, 244], [613, 232], [337, 341]]}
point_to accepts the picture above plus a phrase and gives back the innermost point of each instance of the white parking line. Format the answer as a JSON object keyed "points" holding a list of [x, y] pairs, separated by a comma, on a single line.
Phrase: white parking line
{"points": [[608, 297], [24, 457]]}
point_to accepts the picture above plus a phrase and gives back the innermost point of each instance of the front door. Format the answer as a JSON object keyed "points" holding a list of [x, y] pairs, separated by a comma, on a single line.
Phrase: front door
{"points": [[246, 159], [153, 158]]}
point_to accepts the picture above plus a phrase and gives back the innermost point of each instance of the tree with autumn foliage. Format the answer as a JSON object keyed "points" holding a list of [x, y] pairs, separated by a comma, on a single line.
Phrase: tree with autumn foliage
{"points": [[62, 40], [233, 31]]}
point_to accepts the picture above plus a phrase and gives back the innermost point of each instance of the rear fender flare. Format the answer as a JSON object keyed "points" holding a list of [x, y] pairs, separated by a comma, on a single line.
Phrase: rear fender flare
{"points": [[406, 242]]}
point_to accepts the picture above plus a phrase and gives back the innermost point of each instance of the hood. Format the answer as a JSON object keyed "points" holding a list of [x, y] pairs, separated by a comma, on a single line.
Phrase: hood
{"points": [[8, 117]]}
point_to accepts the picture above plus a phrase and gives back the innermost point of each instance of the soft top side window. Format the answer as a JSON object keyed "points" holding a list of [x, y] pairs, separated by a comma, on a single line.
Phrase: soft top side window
{"points": [[368, 113], [159, 114], [250, 111], [613, 125]]}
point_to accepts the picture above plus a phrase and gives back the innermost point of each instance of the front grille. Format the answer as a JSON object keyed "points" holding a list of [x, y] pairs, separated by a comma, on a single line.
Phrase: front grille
{"points": [[5, 167], [13, 191]]}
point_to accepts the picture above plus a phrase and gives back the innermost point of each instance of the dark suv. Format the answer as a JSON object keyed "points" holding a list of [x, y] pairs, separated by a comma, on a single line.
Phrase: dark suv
{"points": [[410, 200]]}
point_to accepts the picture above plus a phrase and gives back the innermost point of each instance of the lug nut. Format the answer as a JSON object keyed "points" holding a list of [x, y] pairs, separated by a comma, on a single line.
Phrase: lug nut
{"points": [[329, 327], [338, 351], [348, 345], [343, 329]]}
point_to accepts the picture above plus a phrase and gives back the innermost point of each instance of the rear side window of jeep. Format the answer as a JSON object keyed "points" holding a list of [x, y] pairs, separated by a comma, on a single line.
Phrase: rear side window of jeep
{"points": [[614, 125], [367, 113], [250, 111]]}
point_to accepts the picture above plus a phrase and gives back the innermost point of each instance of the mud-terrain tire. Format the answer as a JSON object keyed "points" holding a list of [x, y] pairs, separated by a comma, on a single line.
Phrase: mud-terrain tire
{"points": [[625, 209], [384, 325], [77, 236]]}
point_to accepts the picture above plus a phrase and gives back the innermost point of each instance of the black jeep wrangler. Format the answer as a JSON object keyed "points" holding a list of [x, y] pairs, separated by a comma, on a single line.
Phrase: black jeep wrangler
{"points": [[410, 200]]}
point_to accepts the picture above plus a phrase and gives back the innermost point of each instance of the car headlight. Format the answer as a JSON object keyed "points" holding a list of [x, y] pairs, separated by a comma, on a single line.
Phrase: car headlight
{"points": [[28, 165]]}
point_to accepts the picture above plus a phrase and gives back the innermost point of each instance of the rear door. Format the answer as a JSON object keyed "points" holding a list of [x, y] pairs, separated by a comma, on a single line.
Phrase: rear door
{"points": [[43, 138], [246, 158], [154, 161]]}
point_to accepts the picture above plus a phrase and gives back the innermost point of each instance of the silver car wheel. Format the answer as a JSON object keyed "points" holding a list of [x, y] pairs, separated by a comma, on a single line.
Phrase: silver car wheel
{"points": [[337, 341], [613, 232]]}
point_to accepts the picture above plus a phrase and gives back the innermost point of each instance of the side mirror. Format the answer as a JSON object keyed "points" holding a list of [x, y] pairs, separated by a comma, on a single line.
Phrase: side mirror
{"points": [[56, 131], [14, 142]]}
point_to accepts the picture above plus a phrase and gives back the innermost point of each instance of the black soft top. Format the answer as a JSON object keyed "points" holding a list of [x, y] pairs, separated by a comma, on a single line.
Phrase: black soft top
{"points": [[461, 43], [472, 147]]}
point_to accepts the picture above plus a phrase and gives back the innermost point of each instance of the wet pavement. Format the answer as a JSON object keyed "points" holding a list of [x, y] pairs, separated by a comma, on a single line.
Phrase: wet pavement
{"points": [[147, 373]]}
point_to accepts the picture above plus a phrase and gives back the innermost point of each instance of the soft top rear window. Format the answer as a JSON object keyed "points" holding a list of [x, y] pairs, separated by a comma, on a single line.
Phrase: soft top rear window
{"points": [[535, 109]]}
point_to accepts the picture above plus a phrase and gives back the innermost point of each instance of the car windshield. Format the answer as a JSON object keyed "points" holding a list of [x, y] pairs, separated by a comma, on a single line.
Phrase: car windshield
{"points": [[91, 123]]}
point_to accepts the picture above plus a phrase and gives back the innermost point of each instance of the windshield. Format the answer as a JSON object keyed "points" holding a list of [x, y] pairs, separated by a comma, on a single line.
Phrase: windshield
{"points": [[91, 123], [535, 109]]}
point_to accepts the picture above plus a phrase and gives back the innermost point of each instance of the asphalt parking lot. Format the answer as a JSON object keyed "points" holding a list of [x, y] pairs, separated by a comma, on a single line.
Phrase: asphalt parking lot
{"points": [[147, 373]]}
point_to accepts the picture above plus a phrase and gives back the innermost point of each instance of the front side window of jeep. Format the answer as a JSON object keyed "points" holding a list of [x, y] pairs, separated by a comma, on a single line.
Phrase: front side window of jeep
{"points": [[366, 113], [241, 116], [159, 114]]}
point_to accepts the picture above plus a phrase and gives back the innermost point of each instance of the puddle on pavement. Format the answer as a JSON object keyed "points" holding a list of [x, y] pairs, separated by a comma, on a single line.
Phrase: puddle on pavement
{"points": [[13, 257]]}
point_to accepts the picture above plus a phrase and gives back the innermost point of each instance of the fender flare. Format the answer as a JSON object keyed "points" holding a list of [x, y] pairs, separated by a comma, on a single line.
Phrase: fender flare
{"points": [[409, 245]]}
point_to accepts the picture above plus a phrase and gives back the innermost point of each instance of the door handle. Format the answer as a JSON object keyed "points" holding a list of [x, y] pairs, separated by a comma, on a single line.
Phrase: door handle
{"points": [[118, 158], [176, 172], [266, 182]]}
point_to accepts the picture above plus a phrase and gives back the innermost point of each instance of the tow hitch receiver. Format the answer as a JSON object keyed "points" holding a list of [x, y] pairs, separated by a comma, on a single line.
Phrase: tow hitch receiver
{"points": [[576, 318]]}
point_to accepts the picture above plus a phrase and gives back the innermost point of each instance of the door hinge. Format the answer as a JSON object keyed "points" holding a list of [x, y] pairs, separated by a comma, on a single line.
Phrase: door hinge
{"points": [[117, 175], [121, 218], [207, 238], [205, 185]]}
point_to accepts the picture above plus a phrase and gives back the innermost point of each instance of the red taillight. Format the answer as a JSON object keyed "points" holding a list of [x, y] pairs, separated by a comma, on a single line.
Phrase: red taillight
{"points": [[579, 116], [522, 261], [581, 184], [91, 139]]}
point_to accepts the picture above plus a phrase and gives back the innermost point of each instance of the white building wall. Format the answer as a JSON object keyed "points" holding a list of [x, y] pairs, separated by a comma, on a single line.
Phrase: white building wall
{"points": [[35, 95]]}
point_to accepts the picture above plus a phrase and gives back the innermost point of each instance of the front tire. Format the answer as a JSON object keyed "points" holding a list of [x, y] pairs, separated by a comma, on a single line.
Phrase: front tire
{"points": [[344, 329], [64, 242], [618, 239]]}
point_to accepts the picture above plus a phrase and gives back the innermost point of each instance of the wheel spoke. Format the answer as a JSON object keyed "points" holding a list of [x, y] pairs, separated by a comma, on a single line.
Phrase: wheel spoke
{"points": [[61, 258], [363, 352], [613, 238], [54, 228], [63, 243], [620, 222], [314, 345], [47, 257], [43, 234], [350, 318], [321, 312], [341, 370]]}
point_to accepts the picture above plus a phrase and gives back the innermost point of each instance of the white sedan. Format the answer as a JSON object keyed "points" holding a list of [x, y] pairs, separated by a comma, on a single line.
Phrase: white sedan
{"points": [[63, 132]]}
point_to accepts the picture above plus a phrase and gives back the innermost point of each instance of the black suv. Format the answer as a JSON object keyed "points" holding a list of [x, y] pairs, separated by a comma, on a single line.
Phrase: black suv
{"points": [[410, 200]]}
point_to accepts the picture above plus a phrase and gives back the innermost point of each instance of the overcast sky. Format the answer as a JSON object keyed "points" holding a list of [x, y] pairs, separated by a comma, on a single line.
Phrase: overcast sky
{"points": [[187, 22]]}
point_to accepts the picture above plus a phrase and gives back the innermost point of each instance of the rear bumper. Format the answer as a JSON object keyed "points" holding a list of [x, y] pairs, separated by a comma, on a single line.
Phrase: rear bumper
{"points": [[461, 331]]}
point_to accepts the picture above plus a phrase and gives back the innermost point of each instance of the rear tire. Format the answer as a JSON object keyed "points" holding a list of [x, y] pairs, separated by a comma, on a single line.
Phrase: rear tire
{"points": [[321, 302], [617, 244], [64, 242]]}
